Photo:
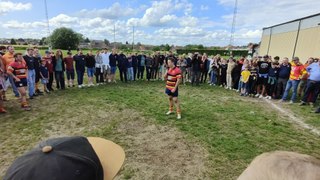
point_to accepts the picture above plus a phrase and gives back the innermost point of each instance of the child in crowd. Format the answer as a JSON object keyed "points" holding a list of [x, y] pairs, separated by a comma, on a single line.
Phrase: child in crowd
{"points": [[272, 80], [44, 74], [245, 74]]}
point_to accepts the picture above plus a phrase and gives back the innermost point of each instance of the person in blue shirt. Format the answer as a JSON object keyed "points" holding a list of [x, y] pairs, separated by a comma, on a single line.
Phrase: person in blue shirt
{"points": [[313, 84]]}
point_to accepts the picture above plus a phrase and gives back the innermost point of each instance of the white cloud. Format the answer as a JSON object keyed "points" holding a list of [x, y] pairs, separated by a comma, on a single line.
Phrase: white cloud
{"points": [[63, 20], [8, 6], [23, 25], [115, 11]]}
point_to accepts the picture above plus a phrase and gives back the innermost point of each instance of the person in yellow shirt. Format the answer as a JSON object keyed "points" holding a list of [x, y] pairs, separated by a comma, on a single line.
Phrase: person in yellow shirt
{"points": [[245, 74], [8, 58]]}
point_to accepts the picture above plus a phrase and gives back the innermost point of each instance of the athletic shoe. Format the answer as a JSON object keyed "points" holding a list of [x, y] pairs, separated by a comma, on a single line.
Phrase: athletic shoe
{"points": [[257, 95], [169, 112], [291, 102], [261, 96], [311, 104], [79, 86], [178, 116]]}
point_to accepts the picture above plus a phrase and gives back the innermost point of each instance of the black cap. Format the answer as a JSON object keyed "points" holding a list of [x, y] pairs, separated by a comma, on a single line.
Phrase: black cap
{"points": [[69, 158]]}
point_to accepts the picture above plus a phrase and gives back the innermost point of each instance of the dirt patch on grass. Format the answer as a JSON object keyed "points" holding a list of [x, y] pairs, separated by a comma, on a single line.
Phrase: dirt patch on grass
{"points": [[152, 151]]}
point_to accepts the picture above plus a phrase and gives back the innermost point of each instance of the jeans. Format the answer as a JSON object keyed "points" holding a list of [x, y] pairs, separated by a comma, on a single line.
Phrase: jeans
{"points": [[313, 88], [14, 87], [213, 78], [130, 74], [80, 77], [31, 81], [291, 84]]}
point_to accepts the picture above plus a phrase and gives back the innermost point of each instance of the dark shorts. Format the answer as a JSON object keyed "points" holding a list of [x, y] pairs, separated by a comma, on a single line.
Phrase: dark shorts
{"points": [[113, 69], [70, 74], [262, 81], [22, 83], [169, 93]]}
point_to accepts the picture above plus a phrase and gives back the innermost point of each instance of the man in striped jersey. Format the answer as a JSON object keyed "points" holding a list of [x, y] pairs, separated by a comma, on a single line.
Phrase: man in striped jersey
{"points": [[18, 71], [173, 78]]}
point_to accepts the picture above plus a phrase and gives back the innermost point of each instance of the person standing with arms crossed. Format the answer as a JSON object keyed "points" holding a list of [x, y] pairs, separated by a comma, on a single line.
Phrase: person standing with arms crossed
{"points": [[173, 78]]}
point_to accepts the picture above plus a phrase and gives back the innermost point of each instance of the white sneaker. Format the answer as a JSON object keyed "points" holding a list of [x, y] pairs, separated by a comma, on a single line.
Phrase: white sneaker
{"points": [[169, 112], [260, 96], [178, 116], [257, 95], [291, 102], [79, 86], [269, 97]]}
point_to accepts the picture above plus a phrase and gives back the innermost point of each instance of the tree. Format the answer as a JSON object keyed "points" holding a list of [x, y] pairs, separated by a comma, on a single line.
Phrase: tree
{"points": [[167, 47], [87, 40], [200, 46], [156, 48], [106, 42], [63, 38], [13, 42]]}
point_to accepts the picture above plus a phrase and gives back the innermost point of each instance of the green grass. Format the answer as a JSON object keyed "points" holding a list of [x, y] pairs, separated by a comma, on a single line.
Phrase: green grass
{"points": [[233, 129]]}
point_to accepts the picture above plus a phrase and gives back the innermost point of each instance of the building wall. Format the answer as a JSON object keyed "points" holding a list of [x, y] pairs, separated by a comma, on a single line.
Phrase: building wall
{"points": [[263, 49], [282, 44], [298, 38], [308, 43]]}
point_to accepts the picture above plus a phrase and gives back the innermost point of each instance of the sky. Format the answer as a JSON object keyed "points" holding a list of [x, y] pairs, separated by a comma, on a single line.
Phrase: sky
{"points": [[173, 22]]}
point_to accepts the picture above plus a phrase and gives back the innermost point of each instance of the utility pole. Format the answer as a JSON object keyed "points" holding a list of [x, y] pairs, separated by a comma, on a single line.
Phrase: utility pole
{"points": [[132, 38], [233, 23], [48, 27], [114, 36]]}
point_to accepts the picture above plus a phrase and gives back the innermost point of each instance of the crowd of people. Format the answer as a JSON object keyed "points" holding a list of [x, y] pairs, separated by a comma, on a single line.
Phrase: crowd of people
{"points": [[260, 76]]}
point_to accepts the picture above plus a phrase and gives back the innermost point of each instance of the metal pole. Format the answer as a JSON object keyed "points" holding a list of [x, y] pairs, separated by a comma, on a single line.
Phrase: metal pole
{"points": [[295, 45], [132, 38], [48, 27], [114, 36]]}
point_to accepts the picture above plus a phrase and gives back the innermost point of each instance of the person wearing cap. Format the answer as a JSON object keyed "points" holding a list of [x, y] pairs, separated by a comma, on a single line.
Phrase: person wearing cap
{"points": [[296, 73], [173, 78], [18, 71], [69, 158], [8, 58], [44, 74]]}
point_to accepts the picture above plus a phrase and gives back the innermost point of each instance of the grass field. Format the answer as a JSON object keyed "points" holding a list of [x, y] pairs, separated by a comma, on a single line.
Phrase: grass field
{"points": [[218, 135]]}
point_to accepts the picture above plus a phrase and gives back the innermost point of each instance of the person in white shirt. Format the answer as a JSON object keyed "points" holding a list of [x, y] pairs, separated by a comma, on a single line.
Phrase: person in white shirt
{"points": [[105, 65]]}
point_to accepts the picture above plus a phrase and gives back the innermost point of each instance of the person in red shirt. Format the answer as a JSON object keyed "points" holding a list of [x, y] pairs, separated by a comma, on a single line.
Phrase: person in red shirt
{"points": [[69, 69], [18, 71], [173, 78], [49, 66]]}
